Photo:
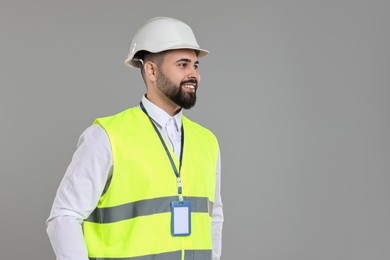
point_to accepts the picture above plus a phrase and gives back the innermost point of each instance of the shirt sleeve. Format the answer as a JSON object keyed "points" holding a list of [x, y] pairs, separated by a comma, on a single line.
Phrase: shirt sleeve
{"points": [[78, 194], [217, 216]]}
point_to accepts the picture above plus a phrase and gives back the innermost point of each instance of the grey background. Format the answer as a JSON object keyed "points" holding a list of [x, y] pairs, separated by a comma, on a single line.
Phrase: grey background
{"points": [[297, 92]]}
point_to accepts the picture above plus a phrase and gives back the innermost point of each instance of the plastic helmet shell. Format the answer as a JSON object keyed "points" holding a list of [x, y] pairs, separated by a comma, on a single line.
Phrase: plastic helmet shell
{"points": [[161, 34]]}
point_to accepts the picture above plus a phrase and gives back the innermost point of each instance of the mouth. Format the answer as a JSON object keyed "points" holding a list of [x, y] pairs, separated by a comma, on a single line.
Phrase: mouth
{"points": [[190, 86]]}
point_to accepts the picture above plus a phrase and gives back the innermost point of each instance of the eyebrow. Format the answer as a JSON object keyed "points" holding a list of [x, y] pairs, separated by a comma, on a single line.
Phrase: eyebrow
{"points": [[186, 60]]}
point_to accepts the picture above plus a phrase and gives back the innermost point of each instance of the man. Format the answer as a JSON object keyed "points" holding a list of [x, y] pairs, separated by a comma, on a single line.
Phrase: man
{"points": [[145, 184]]}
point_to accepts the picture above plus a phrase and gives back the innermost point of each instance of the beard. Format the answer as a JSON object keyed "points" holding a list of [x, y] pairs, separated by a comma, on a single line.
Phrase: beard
{"points": [[175, 93]]}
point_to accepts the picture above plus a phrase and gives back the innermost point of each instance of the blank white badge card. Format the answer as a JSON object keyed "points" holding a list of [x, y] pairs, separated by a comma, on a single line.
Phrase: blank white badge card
{"points": [[181, 218]]}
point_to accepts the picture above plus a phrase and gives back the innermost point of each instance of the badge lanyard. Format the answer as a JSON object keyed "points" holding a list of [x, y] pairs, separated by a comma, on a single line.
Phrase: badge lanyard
{"points": [[177, 172]]}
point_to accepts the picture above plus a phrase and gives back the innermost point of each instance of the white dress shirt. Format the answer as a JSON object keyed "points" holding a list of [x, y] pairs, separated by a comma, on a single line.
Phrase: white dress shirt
{"points": [[87, 177]]}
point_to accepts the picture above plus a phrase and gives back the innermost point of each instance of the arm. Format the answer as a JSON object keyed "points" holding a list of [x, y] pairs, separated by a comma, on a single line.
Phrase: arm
{"points": [[217, 217], [79, 193]]}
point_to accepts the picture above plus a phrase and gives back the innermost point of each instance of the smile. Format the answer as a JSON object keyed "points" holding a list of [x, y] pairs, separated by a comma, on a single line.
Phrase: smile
{"points": [[190, 87]]}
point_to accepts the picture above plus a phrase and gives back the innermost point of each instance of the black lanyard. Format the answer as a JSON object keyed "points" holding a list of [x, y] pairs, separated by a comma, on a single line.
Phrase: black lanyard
{"points": [[175, 171]]}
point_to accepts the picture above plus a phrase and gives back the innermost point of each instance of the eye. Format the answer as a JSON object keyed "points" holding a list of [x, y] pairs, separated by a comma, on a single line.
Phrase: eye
{"points": [[182, 65], [196, 66]]}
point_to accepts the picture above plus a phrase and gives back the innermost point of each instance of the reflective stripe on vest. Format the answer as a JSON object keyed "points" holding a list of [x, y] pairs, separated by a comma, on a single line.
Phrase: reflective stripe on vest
{"points": [[188, 255], [144, 208], [132, 219]]}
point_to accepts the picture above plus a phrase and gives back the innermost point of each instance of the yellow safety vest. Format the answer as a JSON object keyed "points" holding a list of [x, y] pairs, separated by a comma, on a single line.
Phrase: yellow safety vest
{"points": [[132, 219]]}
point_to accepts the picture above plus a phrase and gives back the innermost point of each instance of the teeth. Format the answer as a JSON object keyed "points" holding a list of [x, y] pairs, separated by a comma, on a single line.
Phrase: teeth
{"points": [[189, 86]]}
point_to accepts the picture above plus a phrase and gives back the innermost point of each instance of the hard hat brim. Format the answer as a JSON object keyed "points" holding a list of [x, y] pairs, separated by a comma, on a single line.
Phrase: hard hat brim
{"points": [[134, 63]]}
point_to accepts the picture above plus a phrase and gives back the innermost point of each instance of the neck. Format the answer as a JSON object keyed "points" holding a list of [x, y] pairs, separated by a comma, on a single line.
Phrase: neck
{"points": [[164, 103]]}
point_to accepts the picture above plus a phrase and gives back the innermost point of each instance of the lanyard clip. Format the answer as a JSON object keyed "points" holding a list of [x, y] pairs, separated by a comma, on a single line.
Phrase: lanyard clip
{"points": [[179, 185]]}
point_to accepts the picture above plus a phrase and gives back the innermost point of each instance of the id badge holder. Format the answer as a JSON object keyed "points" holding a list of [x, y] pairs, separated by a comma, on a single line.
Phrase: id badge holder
{"points": [[181, 218]]}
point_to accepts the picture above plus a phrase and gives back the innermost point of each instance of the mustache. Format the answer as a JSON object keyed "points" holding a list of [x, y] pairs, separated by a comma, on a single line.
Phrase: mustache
{"points": [[193, 81]]}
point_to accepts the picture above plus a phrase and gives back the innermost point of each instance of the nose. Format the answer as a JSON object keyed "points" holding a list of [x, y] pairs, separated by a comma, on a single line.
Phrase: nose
{"points": [[194, 74]]}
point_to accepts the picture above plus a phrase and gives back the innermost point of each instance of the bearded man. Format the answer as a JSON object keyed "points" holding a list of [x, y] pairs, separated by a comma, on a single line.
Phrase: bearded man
{"points": [[144, 184]]}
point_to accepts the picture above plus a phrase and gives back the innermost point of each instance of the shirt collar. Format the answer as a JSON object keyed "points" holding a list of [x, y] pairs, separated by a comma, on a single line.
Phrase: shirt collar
{"points": [[159, 116]]}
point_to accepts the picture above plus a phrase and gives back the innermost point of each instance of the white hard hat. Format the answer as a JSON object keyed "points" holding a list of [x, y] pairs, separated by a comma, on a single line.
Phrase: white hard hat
{"points": [[161, 34]]}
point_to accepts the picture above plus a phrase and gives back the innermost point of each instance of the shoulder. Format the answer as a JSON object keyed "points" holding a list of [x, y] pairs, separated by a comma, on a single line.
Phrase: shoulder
{"points": [[128, 122], [94, 135], [196, 128], [128, 113]]}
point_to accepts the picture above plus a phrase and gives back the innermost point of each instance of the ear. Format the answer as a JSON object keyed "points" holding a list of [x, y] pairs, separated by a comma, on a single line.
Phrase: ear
{"points": [[150, 70]]}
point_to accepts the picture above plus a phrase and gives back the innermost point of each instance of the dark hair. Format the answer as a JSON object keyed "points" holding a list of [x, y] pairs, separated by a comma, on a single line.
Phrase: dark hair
{"points": [[144, 56]]}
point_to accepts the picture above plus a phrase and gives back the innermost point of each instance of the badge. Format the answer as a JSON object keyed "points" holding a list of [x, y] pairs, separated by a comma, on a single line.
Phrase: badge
{"points": [[181, 218]]}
